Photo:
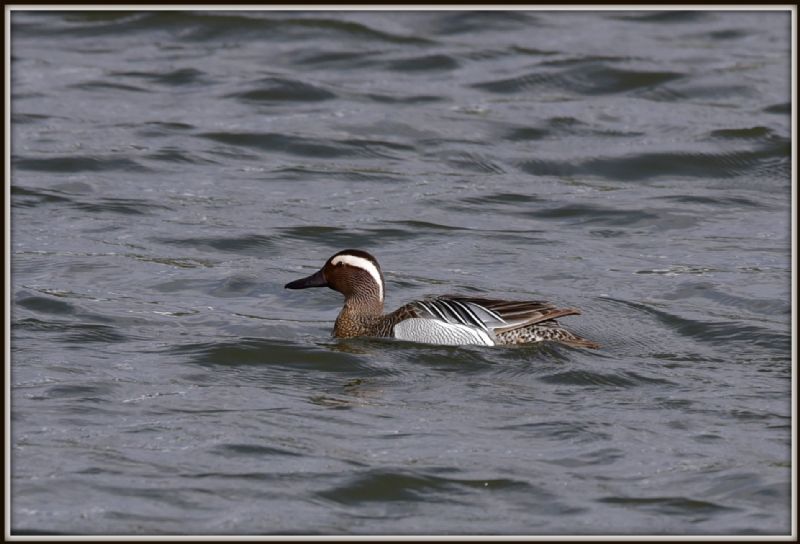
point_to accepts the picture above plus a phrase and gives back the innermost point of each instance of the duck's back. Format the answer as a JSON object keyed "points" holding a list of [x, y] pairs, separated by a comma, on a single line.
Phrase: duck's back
{"points": [[457, 320]]}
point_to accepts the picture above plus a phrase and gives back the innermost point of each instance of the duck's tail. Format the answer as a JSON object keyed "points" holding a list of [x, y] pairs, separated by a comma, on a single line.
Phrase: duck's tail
{"points": [[573, 340], [547, 331]]}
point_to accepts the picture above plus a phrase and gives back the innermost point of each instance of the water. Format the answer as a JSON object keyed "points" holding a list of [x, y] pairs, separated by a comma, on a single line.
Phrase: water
{"points": [[171, 171]]}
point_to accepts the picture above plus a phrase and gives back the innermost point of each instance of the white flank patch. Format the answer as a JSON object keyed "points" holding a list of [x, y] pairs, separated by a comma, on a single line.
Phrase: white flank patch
{"points": [[435, 331], [363, 264]]}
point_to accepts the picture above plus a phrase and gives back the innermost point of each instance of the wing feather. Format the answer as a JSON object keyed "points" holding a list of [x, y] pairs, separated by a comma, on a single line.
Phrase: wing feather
{"points": [[487, 313]]}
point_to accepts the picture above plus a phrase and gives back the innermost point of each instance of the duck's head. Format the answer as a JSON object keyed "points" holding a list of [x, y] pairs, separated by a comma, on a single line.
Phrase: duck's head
{"points": [[354, 273]]}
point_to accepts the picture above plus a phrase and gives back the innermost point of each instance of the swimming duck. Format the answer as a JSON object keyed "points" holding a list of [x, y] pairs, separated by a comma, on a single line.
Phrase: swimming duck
{"points": [[445, 319]]}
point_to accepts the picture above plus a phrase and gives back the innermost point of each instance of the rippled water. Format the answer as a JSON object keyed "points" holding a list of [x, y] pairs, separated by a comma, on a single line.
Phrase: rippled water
{"points": [[171, 171]]}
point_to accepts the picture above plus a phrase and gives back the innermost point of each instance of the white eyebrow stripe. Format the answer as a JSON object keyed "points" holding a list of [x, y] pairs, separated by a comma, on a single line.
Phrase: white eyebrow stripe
{"points": [[363, 264]]}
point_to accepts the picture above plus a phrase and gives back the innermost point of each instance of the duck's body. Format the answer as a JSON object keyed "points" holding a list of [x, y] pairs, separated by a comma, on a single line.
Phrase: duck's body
{"points": [[449, 319]]}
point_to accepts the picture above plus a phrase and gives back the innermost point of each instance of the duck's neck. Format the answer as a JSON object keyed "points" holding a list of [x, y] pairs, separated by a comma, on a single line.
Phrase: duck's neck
{"points": [[366, 304], [358, 316]]}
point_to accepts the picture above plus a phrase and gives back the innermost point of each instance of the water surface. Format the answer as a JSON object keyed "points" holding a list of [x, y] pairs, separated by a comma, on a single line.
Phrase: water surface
{"points": [[171, 171]]}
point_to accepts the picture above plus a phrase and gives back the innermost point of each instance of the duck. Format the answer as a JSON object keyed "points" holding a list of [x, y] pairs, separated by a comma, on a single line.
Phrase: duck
{"points": [[441, 319]]}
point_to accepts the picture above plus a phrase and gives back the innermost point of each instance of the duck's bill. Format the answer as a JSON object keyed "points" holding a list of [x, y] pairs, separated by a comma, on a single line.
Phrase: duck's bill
{"points": [[314, 280]]}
